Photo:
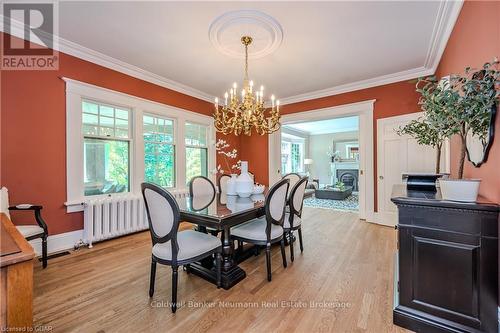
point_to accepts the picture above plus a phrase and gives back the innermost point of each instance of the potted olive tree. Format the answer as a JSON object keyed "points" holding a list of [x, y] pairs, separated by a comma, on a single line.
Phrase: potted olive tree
{"points": [[426, 135], [463, 105]]}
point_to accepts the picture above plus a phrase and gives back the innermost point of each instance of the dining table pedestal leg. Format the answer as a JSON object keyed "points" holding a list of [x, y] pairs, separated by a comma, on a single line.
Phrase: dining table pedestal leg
{"points": [[231, 272]]}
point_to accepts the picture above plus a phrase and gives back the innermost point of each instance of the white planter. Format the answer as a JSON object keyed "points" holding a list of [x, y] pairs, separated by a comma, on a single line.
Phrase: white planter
{"points": [[244, 183], [464, 190], [231, 185]]}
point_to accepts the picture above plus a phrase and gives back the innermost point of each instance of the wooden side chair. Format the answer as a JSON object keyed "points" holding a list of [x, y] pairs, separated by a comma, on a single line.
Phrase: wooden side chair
{"points": [[293, 219], [29, 231], [171, 247], [268, 230]]}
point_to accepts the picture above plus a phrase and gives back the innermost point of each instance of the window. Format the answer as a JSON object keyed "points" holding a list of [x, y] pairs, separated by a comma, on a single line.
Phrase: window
{"points": [[292, 157], [159, 150], [115, 141], [196, 150], [106, 148]]}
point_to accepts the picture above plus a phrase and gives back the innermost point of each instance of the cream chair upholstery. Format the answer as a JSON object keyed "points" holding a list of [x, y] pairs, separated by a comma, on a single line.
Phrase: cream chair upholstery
{"points": [[267, 230], [171, 247]]}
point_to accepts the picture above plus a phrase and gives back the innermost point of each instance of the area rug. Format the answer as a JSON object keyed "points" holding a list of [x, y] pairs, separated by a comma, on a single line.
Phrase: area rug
{"points": [[350, 203]]}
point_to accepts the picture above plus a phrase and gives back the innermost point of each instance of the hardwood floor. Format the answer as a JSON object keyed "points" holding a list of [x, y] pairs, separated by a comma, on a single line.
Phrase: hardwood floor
{"points": [[347, 263]]}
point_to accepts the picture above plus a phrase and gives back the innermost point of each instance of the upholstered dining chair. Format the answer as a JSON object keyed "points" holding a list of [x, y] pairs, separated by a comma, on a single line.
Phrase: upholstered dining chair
{"points": [[222, 183], [293, 177], [293, 218], [201, 185], [171, 247], [29, 231], [269, 229]]}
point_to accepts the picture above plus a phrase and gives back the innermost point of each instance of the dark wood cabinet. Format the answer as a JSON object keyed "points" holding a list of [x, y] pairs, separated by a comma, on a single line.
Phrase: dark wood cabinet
{"points": [[446, 265]]}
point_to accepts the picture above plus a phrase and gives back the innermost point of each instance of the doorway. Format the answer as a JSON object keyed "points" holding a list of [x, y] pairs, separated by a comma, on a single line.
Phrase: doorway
{"points": [[411, 157], [361, 152]]}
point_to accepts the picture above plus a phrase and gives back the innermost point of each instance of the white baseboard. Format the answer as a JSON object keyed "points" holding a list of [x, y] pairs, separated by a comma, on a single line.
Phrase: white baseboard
{"points": [[59, 242]]}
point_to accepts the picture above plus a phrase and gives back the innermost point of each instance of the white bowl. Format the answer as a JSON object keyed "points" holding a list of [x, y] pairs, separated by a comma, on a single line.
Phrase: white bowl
{"points": [[258, 189]]}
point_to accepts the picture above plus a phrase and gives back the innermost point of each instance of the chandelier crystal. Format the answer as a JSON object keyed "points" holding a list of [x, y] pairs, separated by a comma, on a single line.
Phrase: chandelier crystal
{"points": [[242, 114]]}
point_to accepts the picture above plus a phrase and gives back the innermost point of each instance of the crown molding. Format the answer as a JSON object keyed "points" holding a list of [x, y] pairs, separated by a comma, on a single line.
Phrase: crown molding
{"points": [[84, 53], [364, 84], [446, 18], [443, 26]]}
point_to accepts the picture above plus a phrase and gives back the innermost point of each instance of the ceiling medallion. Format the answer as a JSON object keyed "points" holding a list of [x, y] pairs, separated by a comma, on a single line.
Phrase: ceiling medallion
{"points": [[237, 115], [226, 30]]}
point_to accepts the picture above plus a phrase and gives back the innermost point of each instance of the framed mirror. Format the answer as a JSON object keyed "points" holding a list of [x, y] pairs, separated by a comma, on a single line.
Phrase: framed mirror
{"points": [[479, 144]]}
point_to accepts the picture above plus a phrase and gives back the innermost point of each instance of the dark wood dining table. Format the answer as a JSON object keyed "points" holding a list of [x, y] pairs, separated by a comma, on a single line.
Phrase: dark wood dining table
{"points": [[220, 213]]}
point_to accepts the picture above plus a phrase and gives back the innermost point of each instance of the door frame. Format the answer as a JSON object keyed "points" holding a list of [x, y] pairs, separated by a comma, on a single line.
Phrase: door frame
{"points": [[362, 109], [382, 217]]}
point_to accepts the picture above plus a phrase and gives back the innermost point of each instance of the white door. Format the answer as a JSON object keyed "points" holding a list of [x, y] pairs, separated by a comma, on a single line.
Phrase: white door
{"points": [[397, 155], [274, 157]]}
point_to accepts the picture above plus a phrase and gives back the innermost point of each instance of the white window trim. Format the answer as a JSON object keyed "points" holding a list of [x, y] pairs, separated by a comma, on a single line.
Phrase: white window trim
{"points": [[76, 91]]}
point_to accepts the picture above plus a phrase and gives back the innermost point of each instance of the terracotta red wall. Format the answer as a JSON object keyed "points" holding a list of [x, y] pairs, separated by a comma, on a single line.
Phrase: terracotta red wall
{"points": [[392, 99], [475, 40], [33, 131]]}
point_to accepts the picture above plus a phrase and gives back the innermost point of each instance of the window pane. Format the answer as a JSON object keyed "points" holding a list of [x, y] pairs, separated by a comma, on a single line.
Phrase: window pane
{"points": [[106, 120], [89, 119], [159, 158], [159, 168], [106, 131], [89, 107], [196, 162], [196, 135], [106, 166], [90, 130], [106, 111], [122, 114]]}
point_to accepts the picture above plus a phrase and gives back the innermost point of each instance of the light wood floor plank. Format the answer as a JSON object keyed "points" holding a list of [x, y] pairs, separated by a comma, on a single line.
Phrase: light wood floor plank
{"points": [[346, 262]]}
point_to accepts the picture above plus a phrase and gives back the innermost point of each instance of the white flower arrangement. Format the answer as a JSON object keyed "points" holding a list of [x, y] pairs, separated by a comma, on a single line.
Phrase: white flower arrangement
{"points": [[221, 146]]}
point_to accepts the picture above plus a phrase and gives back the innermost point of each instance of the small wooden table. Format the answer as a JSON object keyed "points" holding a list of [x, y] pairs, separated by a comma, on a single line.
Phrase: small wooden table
{"points": [[221, 213], [16, 285]]}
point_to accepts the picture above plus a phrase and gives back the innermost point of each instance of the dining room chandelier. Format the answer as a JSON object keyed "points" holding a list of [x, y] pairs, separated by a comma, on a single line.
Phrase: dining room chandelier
{"points": [[242, 114]]}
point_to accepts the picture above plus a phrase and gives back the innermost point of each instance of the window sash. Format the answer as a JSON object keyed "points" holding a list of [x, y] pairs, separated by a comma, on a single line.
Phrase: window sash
{"points": [[199, 137], [158, 145], [106, 123], [105, 172]]}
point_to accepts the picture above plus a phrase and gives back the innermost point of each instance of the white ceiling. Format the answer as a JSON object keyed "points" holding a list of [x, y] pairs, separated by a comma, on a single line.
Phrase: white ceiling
{"points": [[337, 125], [327, 47]]}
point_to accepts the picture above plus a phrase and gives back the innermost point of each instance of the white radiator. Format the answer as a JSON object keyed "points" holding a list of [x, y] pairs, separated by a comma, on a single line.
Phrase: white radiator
{"points": [[114, 216]]}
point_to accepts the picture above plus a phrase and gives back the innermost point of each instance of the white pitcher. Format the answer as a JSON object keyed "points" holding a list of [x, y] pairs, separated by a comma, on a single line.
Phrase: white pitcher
{"points": [[231, 185], [244, 183]]}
